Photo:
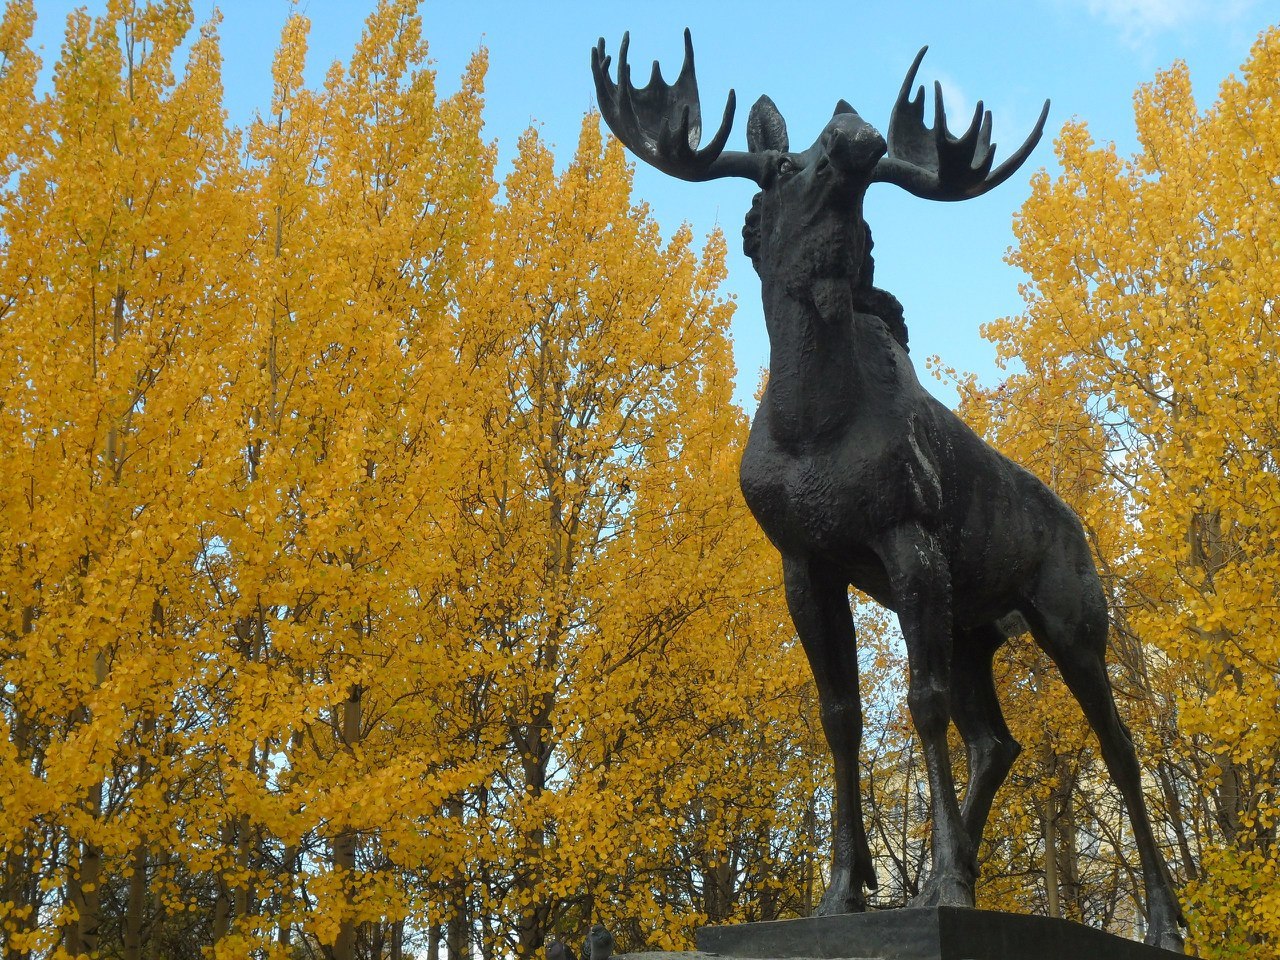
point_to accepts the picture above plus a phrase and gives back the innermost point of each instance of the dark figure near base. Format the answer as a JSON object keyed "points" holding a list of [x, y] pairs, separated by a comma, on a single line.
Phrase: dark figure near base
{"points": [[560, 951], [860, 477]]}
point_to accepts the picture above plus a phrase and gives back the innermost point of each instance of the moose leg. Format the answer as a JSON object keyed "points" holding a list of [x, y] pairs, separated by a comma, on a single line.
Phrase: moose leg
{"points": [[1074, 635], [819, 605], [921, 584], [976, 713]]}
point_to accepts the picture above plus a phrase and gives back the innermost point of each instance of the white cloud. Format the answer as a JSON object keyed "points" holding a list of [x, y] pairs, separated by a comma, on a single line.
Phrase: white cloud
{"points": [[1145, 15], [1138, 20]]}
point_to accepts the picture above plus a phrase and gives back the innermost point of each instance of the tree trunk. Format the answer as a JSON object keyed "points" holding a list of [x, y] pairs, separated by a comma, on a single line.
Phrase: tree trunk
{"points": [[292, 855], [134, 917], [284, 931], [14, 890], [135, 905], [83, 888], [222, 899], [243, 899], [1069, 858], [233, 903], [86, 894], [164, 868], [1053, 908], [344, 844], [811, 836], [15, 887], [457, 930], [721, 879]]}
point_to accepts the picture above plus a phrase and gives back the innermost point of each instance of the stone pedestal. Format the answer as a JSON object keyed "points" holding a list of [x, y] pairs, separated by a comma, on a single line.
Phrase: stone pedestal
{"points": [[928, 933]]}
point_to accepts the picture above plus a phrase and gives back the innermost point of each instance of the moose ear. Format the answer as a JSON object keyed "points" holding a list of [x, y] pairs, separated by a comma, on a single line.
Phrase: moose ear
{"points": [[844, 107], [766, 130]]}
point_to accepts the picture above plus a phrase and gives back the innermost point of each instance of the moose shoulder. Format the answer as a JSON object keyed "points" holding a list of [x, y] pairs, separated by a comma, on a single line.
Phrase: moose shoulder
{"points": [[860, 477]]}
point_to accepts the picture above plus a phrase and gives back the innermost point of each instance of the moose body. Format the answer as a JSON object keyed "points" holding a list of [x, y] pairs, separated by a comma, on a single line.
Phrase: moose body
{"points": [[860, 477], [834, 502]]}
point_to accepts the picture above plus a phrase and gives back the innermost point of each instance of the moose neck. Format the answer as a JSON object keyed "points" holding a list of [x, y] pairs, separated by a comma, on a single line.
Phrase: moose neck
{"points": [[812, 391], [825, 356]]}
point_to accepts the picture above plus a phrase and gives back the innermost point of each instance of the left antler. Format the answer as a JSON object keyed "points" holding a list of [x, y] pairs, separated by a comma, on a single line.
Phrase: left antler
{"points": [[662, 123], [933, 164]]}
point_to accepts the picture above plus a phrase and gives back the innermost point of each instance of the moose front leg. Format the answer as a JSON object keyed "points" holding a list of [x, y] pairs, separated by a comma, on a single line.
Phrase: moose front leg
{"points": [[819, 605], [921, 583]]}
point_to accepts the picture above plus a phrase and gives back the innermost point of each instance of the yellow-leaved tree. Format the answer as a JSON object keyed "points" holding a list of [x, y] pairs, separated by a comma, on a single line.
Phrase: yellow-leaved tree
{"points": [[1150, 320], [612, 588], [115, 298], [373, 573]]}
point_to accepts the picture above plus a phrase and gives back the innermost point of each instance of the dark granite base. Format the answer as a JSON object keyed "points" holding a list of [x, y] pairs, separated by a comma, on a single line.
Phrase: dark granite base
{"points": [[926, 933]]}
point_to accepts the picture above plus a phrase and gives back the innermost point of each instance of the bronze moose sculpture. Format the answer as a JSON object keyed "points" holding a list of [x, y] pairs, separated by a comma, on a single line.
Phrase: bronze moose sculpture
{"points": [[860, 477]]}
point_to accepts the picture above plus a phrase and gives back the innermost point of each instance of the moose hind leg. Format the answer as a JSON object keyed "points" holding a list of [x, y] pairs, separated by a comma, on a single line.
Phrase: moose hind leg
{"points": [[1076, 641], [976, 712], [819, 605]]}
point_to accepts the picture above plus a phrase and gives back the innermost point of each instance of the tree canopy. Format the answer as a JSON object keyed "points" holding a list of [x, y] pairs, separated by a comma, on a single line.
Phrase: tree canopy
{"points": [[372, 563], [374, 578], [1148, 394]]}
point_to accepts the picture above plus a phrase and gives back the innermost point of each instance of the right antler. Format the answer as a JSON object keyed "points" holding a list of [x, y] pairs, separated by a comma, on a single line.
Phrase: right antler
{"points": [[662, 123], [933, 164]]}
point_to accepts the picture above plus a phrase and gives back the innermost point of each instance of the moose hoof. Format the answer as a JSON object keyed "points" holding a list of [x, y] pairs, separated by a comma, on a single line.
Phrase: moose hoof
{"points": [[1164, 923], [1165, 939], [944, 892], [842, 896]]}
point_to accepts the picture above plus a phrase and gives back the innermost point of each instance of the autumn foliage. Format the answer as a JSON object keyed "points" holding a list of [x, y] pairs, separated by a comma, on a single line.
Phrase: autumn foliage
{"points": [[1146, 392], [373, 574], [373, 569]]}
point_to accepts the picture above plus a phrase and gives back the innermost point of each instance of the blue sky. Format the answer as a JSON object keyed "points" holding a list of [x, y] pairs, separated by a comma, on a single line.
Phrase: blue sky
{"points": [[943, 261]]}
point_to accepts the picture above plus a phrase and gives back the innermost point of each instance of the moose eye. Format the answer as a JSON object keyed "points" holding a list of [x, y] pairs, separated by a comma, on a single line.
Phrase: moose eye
{"points": [[786, 165]]}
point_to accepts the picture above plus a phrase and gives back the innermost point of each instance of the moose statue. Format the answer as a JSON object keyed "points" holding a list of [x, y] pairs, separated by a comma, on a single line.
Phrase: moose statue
{"points": [[860, 477]]}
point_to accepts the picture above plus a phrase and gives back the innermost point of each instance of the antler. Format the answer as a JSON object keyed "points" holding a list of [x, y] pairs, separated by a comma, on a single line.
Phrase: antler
{"points": [[933, 164], [662, 123]]}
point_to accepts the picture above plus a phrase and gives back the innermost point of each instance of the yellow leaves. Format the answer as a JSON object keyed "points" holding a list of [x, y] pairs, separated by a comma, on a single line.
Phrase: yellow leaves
{"points": [[1147, 311], [18, 69], [347, 508], [629, 734], [286, 67]]}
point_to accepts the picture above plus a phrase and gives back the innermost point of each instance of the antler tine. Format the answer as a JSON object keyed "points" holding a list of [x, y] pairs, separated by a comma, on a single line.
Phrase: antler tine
{"points": [[984, 134], [626, 109], [977, 138], [908, 113], [969, 154], [934, 164], [1003, 172], [939, 115], [662, 123]]}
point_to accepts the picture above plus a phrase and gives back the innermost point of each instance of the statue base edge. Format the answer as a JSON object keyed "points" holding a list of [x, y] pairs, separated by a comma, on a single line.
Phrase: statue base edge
{"points": [[923, 933]]}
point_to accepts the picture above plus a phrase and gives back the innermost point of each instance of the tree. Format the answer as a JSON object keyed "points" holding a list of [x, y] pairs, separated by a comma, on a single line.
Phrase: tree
{"points": [[609, 562], [362, 531], [1150, 298], [102, 414]]}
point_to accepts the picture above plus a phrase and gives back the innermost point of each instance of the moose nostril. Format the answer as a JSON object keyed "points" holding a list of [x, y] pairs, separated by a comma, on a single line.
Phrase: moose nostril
{"points": [[835, 143]]}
